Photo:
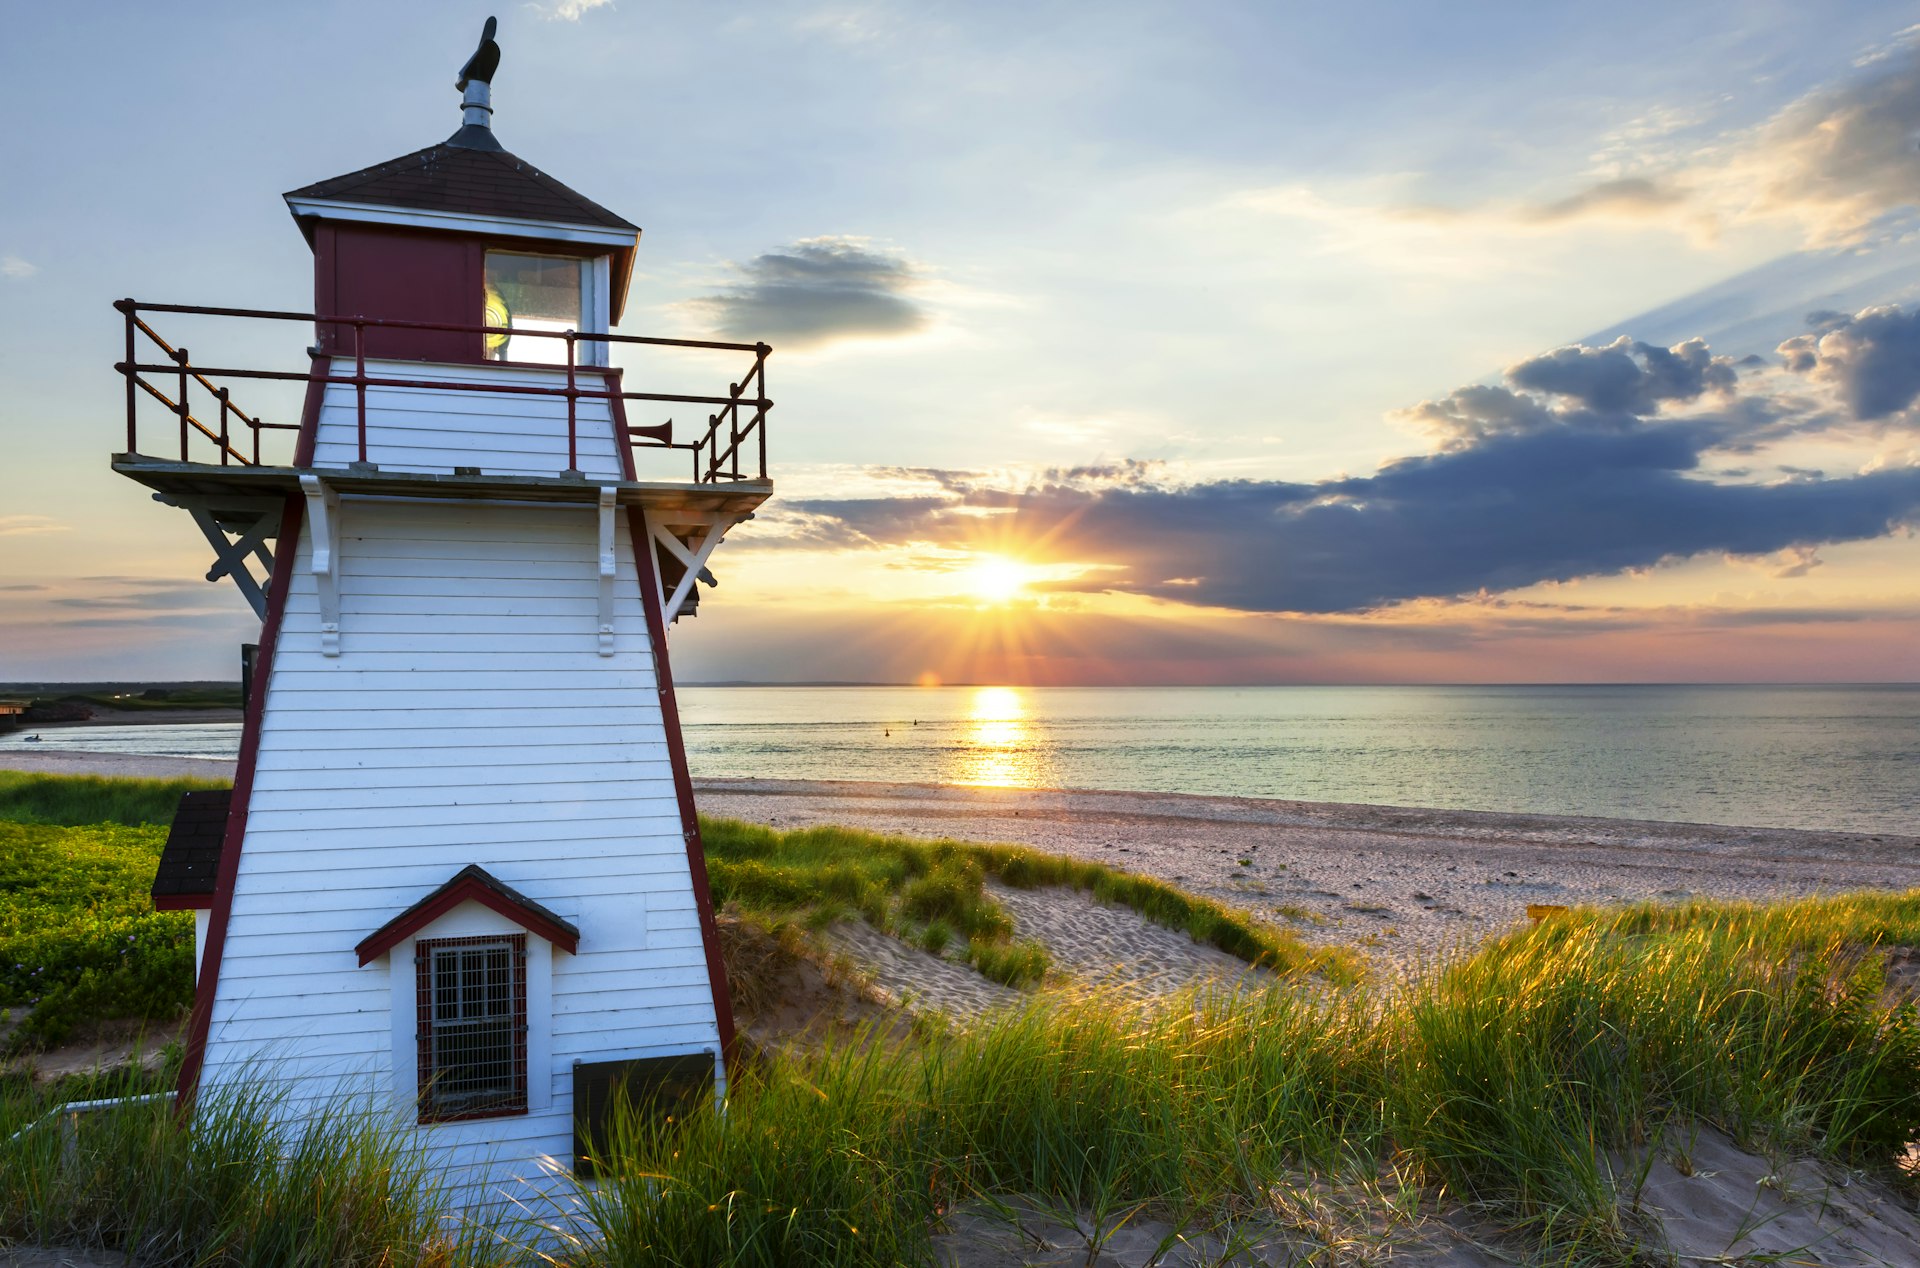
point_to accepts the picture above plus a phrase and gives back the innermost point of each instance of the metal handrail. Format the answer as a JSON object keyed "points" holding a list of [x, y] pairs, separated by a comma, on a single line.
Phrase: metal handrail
{"points": [[75, 1108], [711, 463]]}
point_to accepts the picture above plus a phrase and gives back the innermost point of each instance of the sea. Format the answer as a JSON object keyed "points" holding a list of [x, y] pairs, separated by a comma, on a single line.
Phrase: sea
{"points": [[1823, 757]]}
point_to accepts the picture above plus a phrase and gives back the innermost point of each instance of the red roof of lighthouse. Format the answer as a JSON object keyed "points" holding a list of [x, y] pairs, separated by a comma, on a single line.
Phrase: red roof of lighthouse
{"points": [[466, 180]]}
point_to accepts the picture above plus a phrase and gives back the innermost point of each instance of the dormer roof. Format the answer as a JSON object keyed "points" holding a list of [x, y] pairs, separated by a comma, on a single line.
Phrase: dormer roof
{"points": [[471, 883]]}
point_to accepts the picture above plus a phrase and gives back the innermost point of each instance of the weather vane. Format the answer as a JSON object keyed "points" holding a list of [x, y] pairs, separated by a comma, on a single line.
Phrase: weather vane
{"points": [[485, 59]]}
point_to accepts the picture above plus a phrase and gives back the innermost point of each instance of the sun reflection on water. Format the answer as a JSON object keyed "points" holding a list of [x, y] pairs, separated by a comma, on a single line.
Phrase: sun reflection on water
{"points": [[996, 744]]}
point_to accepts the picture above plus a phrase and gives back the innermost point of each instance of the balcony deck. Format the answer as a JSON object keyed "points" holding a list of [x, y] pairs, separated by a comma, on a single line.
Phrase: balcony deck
{"points": [[214, 482]]}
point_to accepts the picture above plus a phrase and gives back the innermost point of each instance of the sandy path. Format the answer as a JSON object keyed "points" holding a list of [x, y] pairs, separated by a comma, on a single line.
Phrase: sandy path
{"points": [[1112, 946], [1406, 882]]}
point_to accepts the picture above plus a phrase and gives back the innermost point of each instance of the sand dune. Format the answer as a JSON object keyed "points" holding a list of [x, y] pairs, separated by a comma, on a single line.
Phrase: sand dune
{"points": [[1401, 882]]}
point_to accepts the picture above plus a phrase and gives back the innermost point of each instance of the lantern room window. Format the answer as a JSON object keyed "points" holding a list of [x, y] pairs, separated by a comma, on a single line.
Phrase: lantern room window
{"points": [[536, 293], [472, 995]]}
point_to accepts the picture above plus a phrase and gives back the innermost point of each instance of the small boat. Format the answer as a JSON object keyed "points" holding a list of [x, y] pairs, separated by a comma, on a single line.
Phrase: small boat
{"points": [[31, 739]]}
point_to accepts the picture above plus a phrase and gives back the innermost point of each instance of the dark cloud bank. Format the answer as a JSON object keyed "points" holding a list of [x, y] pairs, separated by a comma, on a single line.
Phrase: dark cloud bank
{"points": [[817, 291], [1588, 461]]}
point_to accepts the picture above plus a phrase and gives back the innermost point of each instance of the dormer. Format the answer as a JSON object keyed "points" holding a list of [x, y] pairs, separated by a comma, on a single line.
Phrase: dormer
{"points": [[464, 233]]}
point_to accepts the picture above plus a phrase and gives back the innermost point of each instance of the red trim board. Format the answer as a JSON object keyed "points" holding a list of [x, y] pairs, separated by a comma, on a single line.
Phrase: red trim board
{"points": [[643, 558], [303, 443], [287, 546]]}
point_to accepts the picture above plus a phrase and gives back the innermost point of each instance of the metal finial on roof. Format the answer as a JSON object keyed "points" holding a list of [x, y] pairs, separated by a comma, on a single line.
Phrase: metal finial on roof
{"points": [[476, 94]]}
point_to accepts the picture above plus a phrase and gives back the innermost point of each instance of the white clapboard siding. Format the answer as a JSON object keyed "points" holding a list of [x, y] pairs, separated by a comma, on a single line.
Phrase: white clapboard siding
{"points": [[589, 765], [469, 718], [561, 748], [604, 836], [436, 430]]}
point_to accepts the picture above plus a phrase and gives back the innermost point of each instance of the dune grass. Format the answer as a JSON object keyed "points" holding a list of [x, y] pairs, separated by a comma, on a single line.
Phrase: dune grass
{"points": [[934, 892], [79, 800], [227, 1188], [1503, 1080], [1512, 1079]]}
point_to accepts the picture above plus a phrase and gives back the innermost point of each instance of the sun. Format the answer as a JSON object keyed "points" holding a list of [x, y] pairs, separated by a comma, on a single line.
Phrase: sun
{"points": [[997, 579]]}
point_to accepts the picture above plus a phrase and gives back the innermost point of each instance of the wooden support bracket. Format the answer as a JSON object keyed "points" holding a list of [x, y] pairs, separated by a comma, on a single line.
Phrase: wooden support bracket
{"points": [[694, 558], [609, 568], [236, 529], [323, 528]]}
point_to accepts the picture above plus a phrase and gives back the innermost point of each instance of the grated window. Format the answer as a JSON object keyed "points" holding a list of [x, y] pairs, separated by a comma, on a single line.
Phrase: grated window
{"points": [[472, 996]]}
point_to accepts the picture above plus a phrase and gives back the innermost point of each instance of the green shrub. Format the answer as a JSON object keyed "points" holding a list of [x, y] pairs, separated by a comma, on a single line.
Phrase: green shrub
{"points": [[79, 938]]}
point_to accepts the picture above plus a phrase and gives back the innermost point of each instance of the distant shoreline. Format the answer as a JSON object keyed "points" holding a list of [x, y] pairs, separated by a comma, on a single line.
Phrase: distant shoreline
{"points": [[142, 717], [53, 760]]}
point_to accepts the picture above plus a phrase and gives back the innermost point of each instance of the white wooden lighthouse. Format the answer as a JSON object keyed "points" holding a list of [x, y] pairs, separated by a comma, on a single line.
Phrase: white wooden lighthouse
{"points": [[459, 872]]}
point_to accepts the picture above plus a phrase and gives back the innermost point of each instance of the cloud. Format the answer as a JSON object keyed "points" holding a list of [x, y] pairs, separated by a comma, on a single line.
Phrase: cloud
{"points": [[1844, 155], [150, 595], [1584, 463], [16, 268], [569, 10], [29, 525], [818, 291], [1838, 159], [1625, 376], [1630, 196], [1872, 358]]}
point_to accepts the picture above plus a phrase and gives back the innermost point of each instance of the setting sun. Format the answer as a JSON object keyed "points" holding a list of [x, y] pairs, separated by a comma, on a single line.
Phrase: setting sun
{"points": [[996, 579]]}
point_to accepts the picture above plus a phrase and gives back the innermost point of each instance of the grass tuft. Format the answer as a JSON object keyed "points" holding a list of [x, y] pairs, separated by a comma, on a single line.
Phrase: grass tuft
{"points": [[228, 1187], [1015, 964], [902, 885], [79, 800]]}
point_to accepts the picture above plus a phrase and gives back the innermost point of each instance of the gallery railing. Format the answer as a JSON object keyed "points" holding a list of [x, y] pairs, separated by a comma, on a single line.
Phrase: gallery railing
{"points": [[736, 429]]}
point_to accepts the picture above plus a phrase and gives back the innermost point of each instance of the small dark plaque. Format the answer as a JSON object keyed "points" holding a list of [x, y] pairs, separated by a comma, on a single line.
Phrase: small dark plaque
{"points": [[249, 660], [659, 1087]]}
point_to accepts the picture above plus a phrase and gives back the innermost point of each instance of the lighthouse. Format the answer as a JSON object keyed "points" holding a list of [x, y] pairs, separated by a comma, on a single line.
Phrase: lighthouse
{"points": [[459, 875]]}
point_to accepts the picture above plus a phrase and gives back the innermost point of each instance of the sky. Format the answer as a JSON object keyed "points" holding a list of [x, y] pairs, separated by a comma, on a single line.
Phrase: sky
{"points": [[1113, 343]]}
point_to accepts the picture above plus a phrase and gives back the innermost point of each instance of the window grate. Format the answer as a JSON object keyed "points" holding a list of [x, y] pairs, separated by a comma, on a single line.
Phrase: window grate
{"points": [[472, 1015]]}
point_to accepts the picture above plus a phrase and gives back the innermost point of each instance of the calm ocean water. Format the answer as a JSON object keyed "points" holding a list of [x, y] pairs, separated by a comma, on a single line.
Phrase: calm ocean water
{"points": [[1807, 757]]}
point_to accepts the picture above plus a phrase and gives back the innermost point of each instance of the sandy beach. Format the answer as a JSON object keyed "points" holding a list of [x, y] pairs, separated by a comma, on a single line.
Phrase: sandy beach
{"points": [[1401, 882]]}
